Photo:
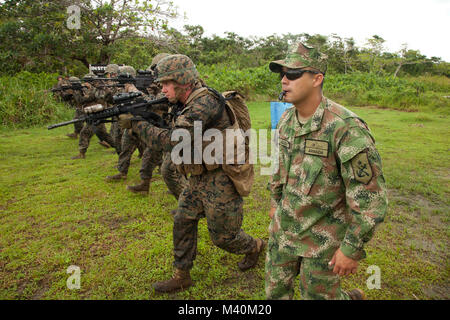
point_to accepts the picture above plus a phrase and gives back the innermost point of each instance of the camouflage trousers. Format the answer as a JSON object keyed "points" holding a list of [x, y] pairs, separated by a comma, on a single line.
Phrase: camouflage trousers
{"points": [[211, 195], [79, 125], [116, 134], [129, 144], [88, 131], [174, 180], [317, 280]]}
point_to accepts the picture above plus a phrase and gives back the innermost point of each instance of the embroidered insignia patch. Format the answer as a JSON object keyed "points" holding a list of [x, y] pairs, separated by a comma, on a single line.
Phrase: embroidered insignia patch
{"points": [[361, 168], [316, 147]]}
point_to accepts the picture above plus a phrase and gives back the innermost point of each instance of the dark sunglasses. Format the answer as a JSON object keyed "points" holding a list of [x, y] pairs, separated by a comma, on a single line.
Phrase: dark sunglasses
{"points": [[295, 74]]}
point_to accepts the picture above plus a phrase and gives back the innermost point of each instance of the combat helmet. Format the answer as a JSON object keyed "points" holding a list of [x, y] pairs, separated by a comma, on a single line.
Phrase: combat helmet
{"points": [[178, 68], [127, 70], [74, 79], [157, 59], [112, 68], [90, 76]]}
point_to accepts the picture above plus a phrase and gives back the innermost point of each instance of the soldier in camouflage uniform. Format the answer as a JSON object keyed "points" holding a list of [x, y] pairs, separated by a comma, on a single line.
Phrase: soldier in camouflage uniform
{"points": [[90, 95], [67, 97], [151, 158], [210, 192], [130, 142], [328, 192]]}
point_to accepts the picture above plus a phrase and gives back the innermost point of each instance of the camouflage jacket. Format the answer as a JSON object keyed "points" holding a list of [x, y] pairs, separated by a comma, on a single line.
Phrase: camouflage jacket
{"points": [[328, 187], [205, 109], [105, 95]]}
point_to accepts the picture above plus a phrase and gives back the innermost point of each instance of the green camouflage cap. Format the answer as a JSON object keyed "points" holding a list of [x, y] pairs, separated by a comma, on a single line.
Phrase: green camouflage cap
{"points": [[301, 56], [127, 70], [112, 68], [157, 59], [178, 68]]}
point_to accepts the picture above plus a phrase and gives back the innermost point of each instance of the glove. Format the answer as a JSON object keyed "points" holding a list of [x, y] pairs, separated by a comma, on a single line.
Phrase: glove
{"points": [[125, 121]]}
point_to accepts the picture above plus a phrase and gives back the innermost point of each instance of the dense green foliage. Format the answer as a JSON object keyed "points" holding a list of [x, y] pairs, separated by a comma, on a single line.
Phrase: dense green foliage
{"points": [[25, 102], [37, 36], [34, 37]]}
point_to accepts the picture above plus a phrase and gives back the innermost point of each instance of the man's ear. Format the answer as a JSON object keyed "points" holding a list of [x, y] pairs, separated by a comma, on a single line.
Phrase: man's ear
{"points": [[317, 80]]}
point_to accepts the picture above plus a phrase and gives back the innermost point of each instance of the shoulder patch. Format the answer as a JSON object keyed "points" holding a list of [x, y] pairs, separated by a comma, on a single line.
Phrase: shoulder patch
{"points": [[361, 168]]}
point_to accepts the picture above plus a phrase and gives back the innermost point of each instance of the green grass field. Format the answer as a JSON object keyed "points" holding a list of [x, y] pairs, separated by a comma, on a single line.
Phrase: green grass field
{"points": [[56, 212]]}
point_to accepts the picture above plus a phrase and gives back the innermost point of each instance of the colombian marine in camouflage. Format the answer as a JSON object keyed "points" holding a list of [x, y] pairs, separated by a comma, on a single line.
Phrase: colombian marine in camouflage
{"points": [[301, 56], [329, 188]]}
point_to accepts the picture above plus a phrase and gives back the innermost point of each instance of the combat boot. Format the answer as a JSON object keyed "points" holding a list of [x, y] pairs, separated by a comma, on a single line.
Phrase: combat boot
{"points": [[180, 280], [82, 155], [356, 294], [251, 259], [118, 177], [105, 144], [73, 135], [144, 186]]}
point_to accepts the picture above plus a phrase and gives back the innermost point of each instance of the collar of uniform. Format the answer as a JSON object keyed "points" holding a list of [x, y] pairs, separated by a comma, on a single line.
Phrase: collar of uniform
{"points": [[314, 122]]}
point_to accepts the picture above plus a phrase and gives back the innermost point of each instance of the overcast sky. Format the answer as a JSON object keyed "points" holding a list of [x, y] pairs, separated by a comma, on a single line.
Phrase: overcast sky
{"points": [[423, 24]]}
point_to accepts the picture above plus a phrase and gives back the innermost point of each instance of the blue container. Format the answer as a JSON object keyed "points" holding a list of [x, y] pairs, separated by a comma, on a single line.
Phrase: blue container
{"points": [[276, 110]]}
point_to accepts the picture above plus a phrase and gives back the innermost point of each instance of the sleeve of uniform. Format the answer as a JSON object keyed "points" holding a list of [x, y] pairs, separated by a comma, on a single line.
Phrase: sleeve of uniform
{"points": [[205, 111], [275, 185], [362, 174]]}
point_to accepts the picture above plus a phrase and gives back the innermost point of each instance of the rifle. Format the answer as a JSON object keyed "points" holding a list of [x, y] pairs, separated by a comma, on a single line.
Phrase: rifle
{"points": [[123, 103], [142, 81], [73, 86]]}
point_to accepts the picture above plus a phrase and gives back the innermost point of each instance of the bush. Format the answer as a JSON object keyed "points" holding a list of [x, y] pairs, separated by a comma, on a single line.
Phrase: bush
{"points": [[24, 101]]}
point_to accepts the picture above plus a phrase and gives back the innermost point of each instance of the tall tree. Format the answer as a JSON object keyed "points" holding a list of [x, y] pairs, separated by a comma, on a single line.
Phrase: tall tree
{"points": [[34, 35], [407, 57]]}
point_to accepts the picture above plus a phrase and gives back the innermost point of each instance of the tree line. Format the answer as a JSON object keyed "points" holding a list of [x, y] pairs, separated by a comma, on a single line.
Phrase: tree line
{"points": [[36, 36]]}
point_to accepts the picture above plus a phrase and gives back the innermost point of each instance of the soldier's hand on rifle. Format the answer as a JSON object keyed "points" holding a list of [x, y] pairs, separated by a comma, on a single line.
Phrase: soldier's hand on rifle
{"points": [[129, 87], [125, 121]]}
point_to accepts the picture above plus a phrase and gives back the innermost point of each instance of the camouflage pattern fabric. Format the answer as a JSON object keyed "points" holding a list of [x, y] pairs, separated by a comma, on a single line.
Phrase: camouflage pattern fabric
{"points": [[178, 68], [156, 59], [174, 180], [317, 280], [209, 194], [88, 131], [129, 144], [105, 96], [150, 160], [112, 68], [328, 190], [322, 202], [116, 134], [127, 70], [84, 98], [63, 95], [301, 56], [79, 125]]}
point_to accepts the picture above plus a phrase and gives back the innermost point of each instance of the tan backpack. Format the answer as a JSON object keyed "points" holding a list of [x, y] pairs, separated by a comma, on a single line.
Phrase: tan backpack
{"points": [[242, 175]]}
